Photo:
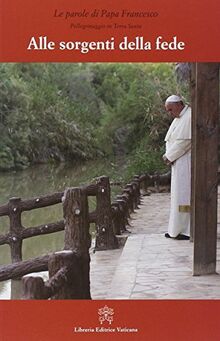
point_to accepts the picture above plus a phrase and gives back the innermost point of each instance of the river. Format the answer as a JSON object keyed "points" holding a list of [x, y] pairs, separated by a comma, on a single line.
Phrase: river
{"points": [[36, 181]]}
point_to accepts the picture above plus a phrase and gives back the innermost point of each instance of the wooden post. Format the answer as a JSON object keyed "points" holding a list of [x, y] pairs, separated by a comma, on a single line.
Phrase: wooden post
{"points": [[65, 280], [116, 218], [136, 179], [145, 184], [119, 220], [15, 229], [64, 270], [135, 187], [129, 190], [77, 236], [126, 195], [125, 206], [193, 151], [33, 288], [105, 238], [123, 214], [205, 154]]}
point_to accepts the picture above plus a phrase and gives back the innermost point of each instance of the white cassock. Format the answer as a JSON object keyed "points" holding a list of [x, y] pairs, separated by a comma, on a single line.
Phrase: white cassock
{"points": [[178, 151]]}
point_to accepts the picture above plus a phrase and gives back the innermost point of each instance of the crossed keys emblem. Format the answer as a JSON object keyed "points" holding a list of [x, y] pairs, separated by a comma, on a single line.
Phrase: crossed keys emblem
{"points": [[106, 314]]}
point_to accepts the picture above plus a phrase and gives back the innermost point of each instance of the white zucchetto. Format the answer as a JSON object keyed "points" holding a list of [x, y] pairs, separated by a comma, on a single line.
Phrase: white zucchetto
{"points": [[173, 98]]}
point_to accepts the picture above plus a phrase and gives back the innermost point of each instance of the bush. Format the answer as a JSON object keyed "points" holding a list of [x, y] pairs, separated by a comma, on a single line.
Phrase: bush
{"points": [[6, 158], [145, 159], [59, 112]]}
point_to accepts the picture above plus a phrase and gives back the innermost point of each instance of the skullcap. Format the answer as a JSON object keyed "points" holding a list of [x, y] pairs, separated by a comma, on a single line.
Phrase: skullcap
{"points": [[173, 98]]}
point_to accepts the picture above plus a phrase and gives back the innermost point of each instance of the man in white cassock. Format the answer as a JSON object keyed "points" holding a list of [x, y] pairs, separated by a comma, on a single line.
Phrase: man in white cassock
{"points": [[178, 155]]}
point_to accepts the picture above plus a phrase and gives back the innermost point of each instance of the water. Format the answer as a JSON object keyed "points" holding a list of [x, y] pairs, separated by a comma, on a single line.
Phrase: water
{"points": [[42, 180]]}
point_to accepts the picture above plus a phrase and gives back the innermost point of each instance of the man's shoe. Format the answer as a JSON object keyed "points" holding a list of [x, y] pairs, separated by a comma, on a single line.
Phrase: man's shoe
{"points": [[167, 235], [182, 237]]}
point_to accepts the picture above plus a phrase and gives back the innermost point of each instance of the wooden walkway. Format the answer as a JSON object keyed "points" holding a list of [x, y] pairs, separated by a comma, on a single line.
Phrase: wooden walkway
{"points": [[151, 266]]}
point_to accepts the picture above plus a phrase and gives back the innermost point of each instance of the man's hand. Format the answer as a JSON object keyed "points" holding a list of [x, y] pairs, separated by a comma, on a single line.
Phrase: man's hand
{"points": [[166, 161]]}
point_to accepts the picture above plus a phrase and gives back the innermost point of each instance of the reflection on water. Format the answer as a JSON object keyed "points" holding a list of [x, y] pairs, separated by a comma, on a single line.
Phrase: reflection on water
{"points": [[5, 290], [36, 181]]}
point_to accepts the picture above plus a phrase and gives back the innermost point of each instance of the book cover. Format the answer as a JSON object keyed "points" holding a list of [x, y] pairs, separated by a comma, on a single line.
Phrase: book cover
{"points": [[104, 32]]}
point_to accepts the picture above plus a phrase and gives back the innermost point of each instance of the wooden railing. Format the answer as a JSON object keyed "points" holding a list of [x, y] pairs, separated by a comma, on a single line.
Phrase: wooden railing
{"points": [[111, 219], [66, 281]]}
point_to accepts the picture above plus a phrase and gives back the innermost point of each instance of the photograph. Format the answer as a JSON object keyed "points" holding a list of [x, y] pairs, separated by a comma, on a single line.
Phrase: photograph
{"points": [[109, 171]]}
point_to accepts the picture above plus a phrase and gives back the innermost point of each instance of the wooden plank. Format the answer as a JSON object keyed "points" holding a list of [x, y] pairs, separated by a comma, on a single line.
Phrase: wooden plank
{"points": [[4, 210], [20, 269], [41, 201], [43, 229], [45, 200], [205, 153]]}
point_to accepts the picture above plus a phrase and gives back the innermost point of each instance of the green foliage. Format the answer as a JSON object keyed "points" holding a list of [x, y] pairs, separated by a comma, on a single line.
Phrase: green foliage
{"points": [[58, 112], [133, 96], [145, 159], [6, 158], [40, 123]]}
